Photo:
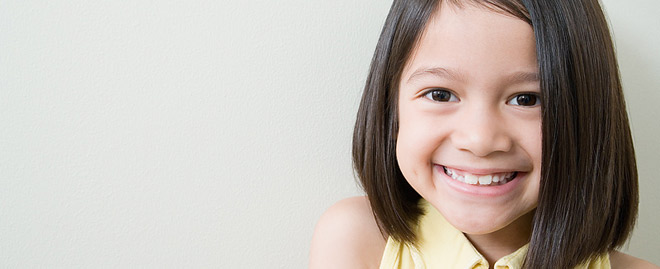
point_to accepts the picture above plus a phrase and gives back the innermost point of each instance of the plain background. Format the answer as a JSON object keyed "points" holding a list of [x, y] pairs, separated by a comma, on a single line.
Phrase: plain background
{"points": [[213, 134]]}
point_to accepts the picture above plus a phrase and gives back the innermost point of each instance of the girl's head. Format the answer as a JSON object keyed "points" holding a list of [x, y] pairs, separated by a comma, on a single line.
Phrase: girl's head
{"points": [[469, 111], [526, 92]]}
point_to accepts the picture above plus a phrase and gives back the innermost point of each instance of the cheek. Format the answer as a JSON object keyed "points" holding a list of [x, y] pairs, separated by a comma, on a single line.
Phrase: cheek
{"points": [[415, 147], [413, 162], [406, 154], [535, 146], [528, 136]]}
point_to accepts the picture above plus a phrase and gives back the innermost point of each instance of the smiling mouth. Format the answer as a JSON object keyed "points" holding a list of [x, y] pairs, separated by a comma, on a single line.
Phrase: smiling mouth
{"points": [[480, 180]]}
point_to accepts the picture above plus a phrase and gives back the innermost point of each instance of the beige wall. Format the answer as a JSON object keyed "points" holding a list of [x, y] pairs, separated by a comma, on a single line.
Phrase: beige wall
{"points": [[636, 29], [212, 133]]}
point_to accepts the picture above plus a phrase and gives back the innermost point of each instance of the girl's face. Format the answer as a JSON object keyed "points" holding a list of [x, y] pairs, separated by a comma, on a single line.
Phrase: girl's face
{"points": [[469, 137]]}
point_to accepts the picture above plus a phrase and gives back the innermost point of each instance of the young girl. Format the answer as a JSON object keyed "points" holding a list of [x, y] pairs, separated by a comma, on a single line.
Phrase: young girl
{"points": [[491, 134]]}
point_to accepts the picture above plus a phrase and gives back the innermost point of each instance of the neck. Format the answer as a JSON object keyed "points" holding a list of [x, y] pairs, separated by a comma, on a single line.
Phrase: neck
{"points": [[493, 246]]}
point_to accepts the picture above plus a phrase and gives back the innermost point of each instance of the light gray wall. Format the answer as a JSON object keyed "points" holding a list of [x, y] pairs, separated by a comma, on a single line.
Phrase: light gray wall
{"points": [[212, 133], [636, 29]]}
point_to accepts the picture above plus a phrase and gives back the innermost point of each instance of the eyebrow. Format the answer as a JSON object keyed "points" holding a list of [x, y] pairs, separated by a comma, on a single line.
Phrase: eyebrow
{"points": [[437, 72], [517, 77]]}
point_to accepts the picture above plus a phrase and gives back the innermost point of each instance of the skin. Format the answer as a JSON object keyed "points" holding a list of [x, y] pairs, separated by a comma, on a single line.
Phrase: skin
{"points": [[481, 128], [347, 236]]}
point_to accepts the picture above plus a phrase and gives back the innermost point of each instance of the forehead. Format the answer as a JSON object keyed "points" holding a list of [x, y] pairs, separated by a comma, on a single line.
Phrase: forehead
{"points": [[473, 40]]}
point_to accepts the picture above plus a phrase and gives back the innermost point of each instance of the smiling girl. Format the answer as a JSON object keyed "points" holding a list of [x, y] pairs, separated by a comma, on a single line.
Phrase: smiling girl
{"points": [[491, 134]]}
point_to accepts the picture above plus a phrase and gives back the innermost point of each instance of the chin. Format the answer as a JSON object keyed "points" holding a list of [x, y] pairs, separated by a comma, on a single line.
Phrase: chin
{"points": [[478, 224], [480, 220]]}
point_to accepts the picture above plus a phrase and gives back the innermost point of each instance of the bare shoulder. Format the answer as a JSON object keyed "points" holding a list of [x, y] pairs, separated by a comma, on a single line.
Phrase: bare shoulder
{"points": [[347, 236], [621, 260]]}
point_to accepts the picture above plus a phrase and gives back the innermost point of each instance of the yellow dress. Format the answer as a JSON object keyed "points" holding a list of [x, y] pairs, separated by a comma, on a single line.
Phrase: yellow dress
{"points": [[443, 246]]}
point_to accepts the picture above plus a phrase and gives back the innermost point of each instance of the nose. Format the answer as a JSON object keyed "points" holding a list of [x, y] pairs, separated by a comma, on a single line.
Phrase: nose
{"points": [[482, 131]]}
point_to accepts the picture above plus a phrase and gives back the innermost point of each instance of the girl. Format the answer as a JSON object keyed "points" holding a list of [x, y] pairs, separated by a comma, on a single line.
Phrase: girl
{"points": [[491, 134]]}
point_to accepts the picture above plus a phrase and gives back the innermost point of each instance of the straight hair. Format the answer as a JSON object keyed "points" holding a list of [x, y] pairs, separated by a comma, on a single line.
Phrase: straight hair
{"points": [[588, 192]]}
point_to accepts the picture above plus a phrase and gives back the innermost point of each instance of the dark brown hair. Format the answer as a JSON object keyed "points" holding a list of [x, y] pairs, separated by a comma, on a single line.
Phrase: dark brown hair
{"points": [[588, 193]]}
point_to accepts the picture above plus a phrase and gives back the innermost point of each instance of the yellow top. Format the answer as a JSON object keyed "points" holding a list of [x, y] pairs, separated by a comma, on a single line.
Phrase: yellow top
{"points": [[443, 246]]}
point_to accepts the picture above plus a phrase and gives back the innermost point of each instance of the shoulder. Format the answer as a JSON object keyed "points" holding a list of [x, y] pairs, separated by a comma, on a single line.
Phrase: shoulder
{"points": [[347, 236], [622, 260]]}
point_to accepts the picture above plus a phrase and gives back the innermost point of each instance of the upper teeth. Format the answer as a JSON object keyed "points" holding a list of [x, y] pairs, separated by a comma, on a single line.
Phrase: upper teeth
{"points": [[468, 178]]}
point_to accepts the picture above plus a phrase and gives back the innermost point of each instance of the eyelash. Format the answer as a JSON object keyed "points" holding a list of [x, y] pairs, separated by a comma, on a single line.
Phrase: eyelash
{"points": [[451, 97]]}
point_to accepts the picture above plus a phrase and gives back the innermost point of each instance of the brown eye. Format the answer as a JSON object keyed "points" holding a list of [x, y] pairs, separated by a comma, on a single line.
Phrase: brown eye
{"points": [[440, 95], [525, 99]]}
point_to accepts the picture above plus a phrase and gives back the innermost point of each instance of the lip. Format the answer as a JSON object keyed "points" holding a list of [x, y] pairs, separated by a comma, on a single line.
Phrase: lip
{"points": [[477, 190]]}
